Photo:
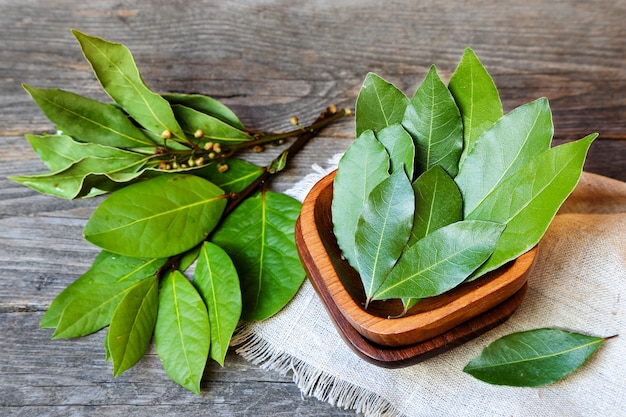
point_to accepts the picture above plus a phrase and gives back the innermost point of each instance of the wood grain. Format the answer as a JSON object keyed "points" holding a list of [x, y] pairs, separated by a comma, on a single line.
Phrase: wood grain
{"points": [[268, 60]]}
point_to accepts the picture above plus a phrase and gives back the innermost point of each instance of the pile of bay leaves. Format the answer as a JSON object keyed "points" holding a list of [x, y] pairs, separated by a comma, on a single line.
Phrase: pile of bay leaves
{"points": [[441, 188], [176, 195]]}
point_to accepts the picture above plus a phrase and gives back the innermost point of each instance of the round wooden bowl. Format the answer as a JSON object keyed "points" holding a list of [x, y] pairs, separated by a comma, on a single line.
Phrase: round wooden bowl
{"points": [[432, 326]]}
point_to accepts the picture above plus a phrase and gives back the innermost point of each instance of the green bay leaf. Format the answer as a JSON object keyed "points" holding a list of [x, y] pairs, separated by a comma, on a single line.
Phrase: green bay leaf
{"points": [[383, 230], [476, 96], [217, 281], [400, 147], [87, 119], [259, 237], [362, 167], [215, 130], [91, 310], [438, 202], [182, 333], [107, 269], [206, 105], [159, 217], [132, 325], [433, 120], [87, 177], [528, 200], [441, 260], [115, 68], [61, 151], [511, 143], [533, 358], [379, 104]]}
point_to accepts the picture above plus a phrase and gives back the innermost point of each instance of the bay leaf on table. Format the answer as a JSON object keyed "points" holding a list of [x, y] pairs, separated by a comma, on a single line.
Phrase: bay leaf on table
{"points": [[60, 151], [217, 281], [215, 130], [533, 358], [259, 236], [107, 269], [182, 333], [132, 324], [171, 213], [115, 68], [206, 105], [87, 119], [92, 309], [87, 177]]}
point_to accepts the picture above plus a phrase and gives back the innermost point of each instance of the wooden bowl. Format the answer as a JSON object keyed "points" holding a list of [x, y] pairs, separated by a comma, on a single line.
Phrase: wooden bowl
{"points": [[432, 326]]}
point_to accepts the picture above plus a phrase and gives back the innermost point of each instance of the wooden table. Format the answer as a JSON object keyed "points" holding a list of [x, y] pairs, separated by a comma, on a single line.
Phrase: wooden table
{"points": [[268, 60]]}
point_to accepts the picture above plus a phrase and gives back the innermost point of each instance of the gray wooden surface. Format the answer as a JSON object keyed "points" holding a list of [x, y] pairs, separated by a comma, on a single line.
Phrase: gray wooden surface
{"points": [[268, 60]]}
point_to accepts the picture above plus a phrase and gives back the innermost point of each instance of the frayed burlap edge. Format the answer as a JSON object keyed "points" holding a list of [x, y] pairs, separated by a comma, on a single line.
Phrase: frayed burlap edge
{"points": [[311, 381]]}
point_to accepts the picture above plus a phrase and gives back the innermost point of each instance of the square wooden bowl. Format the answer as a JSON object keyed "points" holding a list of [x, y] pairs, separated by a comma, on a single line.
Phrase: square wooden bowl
{"points": [[432, 326]]}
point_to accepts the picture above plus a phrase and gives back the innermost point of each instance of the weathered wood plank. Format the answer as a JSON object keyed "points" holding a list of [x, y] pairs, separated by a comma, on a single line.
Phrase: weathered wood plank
{"points": [[43, 377], [270, 60]]}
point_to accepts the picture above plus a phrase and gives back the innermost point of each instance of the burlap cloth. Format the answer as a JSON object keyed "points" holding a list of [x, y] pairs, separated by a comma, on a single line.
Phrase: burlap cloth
{"points": [[578, 284]]}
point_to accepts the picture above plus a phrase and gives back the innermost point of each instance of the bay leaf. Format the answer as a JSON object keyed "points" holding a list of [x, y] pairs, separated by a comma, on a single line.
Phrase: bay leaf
{"points": [[533, 358], [61, 151], [159, 217], [115, 69], [206, 105], [91, 310], [182, 333], [264, 252], [378, 105], [239, 175], [215, 130], [132, 325], [107, 269], [400, 147], [476, 96], [383, 230], [438, 202], [361, 168], [512, 142], [441, 260], [88, 119], [83, 177], [528, 200], [433, 120], [217, 281]]}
